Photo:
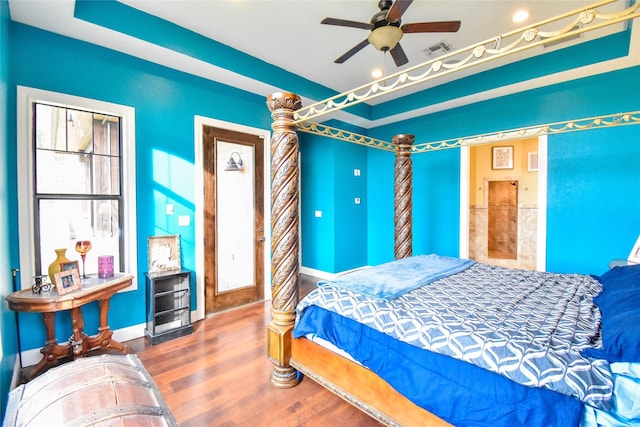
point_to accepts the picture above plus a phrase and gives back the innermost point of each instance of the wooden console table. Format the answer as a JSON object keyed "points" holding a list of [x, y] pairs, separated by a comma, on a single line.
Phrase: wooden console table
{"points": [[48, 303]]}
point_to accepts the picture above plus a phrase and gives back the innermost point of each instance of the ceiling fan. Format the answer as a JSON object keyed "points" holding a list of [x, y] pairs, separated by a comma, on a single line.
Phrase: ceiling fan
{"points": [[386, 30]]}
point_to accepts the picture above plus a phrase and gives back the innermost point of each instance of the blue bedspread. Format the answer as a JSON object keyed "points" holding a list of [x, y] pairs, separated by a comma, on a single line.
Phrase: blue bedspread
{"points": [[527, 326], [392, 279], [458, 392]]}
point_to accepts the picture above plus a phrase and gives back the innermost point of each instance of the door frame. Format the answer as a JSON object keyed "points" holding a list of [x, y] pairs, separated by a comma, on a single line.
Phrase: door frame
{"points": [[541, 249], [198, 181]]}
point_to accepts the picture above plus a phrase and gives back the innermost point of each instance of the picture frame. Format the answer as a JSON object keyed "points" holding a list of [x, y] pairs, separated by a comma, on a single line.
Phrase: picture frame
{"points": [[502, 157], [67, 281], [164, 253], [634, 255], [532, 161], [66, 266]]}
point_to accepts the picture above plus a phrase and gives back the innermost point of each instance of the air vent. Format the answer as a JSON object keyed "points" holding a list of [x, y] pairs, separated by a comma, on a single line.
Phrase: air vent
{"points": [[439, 48]]}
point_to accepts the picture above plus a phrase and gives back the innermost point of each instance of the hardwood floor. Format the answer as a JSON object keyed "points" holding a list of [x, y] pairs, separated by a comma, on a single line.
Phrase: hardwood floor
{"points": [[220, 376]]}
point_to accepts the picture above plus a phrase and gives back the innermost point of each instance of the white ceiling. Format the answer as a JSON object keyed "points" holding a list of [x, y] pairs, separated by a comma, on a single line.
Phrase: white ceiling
{"points": [[288, 33]]}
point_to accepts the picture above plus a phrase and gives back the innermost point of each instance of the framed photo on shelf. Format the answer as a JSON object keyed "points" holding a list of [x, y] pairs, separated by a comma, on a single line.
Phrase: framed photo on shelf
{"points": [[634, 255], [66, 266], [164, 253], [68, 280], [502, 157]]}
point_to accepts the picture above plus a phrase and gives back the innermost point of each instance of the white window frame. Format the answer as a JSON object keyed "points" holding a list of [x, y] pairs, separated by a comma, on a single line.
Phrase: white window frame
{"points": [[26, 97]]}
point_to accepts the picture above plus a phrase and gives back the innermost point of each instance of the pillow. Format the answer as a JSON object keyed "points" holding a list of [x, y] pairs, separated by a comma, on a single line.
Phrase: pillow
{"points": [[624, 276], [619, 303]]}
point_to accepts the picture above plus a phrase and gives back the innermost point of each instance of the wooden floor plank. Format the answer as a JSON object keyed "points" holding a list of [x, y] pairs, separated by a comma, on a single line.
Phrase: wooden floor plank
{"points": [[220, 376]]}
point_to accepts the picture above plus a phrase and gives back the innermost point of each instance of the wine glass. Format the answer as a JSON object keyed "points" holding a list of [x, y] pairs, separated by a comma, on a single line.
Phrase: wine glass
{"points": [[82, 247]]}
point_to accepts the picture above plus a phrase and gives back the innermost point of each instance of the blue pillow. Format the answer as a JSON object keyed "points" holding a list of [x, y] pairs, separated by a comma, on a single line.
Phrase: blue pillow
{"points": [[619, 303], [625, 277]]}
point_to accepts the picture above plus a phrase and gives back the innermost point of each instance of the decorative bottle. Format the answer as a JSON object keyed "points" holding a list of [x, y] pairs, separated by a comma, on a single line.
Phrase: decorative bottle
{"points": [[54, 267]]}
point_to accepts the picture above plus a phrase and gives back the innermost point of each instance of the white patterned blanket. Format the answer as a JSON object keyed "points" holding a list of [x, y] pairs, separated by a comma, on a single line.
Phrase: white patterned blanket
{"points": [[526, 325]]}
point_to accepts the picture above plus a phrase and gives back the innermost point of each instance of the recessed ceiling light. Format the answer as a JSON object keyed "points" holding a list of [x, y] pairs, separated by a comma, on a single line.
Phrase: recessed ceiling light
{"points": [[377, 73], [520, 16]]}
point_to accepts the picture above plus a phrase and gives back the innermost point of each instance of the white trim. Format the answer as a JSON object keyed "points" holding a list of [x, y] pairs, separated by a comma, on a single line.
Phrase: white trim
{"points": [[323, 275], [465, 165], [199, 122], [318, 273], [26, 97], [541, 250]]}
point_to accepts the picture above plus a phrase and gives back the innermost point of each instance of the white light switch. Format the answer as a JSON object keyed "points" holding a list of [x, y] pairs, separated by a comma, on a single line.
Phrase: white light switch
{"points": [[357, 200], [169, 209], [318, 214], [356, 172], [184, 220]]}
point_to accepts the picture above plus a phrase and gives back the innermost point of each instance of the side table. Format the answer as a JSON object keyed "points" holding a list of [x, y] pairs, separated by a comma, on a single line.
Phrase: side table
{"points": [[80, 343]]}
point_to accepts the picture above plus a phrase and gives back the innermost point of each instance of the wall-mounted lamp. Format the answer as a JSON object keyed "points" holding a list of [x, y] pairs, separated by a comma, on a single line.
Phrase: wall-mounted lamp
{"points": [[234, 165]]}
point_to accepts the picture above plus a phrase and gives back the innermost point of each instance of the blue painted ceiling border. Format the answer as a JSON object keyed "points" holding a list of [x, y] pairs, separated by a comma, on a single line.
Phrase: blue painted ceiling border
{"points": [[135, 23]]}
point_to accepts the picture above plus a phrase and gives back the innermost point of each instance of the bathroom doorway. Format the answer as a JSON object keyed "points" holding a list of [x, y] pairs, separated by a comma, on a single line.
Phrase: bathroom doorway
{"points": [[503, 205]]}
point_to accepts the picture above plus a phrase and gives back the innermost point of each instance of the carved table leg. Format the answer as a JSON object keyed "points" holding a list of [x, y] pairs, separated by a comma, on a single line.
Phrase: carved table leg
{"points": [[104, 337], [51, 351], [79, 340]]}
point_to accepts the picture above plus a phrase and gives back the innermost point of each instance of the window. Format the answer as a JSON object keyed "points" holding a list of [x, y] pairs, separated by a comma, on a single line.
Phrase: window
{"points": [[79, 181]]}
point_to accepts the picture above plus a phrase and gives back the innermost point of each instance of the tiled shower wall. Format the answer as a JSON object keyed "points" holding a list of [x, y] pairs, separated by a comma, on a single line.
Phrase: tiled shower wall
{"points": [[527, 237]]}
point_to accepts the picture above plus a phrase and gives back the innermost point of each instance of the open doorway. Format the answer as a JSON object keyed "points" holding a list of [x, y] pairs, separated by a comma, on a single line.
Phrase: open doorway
{"points": [[503, 206]]}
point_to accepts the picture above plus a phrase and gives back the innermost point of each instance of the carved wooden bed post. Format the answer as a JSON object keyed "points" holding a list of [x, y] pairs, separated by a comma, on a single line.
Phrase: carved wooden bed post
{"points": [[284, 228], [403, 205]]}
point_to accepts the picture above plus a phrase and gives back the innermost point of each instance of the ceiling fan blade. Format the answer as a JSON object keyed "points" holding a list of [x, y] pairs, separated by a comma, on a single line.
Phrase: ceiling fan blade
{"points": [[431, 27], [398, 55], [352, 51], [346, 23], [397, 9]]}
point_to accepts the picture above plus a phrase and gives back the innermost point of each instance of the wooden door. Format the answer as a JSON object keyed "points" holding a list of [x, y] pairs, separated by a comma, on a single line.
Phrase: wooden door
{"points": [[503, 220], [233, 218]]}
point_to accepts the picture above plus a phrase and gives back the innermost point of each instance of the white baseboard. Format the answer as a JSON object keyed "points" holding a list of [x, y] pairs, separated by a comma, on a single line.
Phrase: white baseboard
{"points": [[317, 273], [325, 275]]}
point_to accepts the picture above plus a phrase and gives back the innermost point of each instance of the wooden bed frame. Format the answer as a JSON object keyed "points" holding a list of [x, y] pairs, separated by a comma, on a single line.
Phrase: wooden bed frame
{"points": [[359, 386], [351, 381]]}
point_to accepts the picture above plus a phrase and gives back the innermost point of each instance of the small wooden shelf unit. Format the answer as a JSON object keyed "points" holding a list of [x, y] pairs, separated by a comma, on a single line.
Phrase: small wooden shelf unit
{"points": [[168, 305]]}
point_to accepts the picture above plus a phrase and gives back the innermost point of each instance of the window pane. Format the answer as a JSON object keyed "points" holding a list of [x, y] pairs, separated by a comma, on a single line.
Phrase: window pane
{"points": [[107, 178], [106, 135], [63, 222], [79, 131], [50, 127], [62, 173], [70, 173]]}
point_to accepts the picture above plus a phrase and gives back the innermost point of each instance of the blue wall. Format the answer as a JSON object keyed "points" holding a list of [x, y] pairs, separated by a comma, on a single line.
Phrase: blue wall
{"points": [[613, 154], [166, 102], [337, 241], [8, 336], [594, 198]]}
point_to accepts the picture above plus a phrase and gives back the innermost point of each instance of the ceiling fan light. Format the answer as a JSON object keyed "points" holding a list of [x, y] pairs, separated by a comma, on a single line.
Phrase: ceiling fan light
{"points": [[385, 38]]}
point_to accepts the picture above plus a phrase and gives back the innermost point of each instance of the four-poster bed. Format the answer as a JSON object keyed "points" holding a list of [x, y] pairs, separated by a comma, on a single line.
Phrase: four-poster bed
{"points": [[342, 375]]}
